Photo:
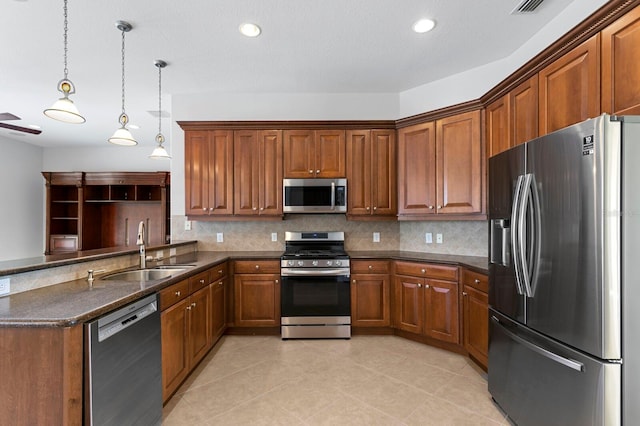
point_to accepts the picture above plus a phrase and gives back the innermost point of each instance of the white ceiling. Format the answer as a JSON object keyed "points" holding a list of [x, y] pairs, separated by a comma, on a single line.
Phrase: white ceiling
{"points": [[307, 46]]}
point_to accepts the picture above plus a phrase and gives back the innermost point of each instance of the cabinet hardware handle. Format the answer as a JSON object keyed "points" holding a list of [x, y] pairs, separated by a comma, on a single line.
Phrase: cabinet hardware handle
{"points": [[220, 271], [317, 171], [477, 281], [188, 308], [419, 285], [439, 206], [427, 286], [201, 281], [354, 281], [220, 283], [204, 209], [193, 305], [310, 171], [254, 208], [464, 293], [370, 267], [367, 208], [430, 207], [257, 266], [375, 208], [277, 281], [423, 271], [177, 294], [261, 208]]}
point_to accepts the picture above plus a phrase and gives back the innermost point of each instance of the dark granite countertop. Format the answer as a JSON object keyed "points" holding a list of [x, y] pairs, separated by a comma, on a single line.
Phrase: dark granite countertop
{"points": [[75, 302]]}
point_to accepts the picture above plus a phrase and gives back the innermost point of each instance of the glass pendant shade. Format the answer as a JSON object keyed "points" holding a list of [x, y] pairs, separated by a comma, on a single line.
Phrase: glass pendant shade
{"points": [[64, 110], [160, 153], [123, 136]]}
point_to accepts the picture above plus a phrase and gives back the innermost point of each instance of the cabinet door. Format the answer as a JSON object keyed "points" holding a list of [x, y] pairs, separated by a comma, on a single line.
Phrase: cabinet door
{"points": [[620, 59], [175, 359], [497, 127], [330, 152], [460, 164], [270, 173], [196, 172], [257, 300], [570, 88], [199, 325], [524, 111], [218, 309], [359, 172], [409, 303], [370, 300], [441, 310], [417, 169], [221, 173], [299, 154], [246, 172], [383, 172], [475, 314]]}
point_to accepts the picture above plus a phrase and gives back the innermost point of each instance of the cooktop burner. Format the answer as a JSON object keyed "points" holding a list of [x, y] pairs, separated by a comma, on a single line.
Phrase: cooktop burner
{"points": [[320, 247]]}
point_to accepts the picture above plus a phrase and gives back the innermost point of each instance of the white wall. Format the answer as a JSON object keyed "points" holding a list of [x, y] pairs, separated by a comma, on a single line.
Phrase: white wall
{"points": [[103, 159], [22, 198]]}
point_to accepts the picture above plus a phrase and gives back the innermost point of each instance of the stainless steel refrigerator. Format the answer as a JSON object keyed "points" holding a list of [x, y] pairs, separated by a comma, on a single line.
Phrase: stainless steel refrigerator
{"points": [[564, 276]]}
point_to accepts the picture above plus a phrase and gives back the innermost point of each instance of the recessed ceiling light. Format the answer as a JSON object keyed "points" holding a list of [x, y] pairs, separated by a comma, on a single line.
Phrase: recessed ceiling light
{"points": [[423, 25], [250, 30]]}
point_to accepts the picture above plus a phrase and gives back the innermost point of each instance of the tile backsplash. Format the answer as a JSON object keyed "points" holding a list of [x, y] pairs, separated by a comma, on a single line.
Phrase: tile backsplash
{"points": [[464, 238]]}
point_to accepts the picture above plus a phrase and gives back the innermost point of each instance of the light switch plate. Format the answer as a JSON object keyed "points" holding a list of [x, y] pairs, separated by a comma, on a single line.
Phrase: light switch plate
{"points": [[5, 286], [274, 236], [219, 237], [376, 237], [438, 238], [428, 238], [187, 225]]}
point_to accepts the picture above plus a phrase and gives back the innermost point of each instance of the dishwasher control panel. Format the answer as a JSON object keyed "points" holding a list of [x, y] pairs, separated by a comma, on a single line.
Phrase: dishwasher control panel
{"points": [[125, 317]]}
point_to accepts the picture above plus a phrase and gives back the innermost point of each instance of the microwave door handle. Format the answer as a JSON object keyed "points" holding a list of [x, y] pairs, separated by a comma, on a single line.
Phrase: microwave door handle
{"points": [[333, 195]]}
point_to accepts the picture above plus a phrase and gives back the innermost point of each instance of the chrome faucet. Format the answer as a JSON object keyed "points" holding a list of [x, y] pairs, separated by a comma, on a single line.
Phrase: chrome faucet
{"points": [[140, 242]]}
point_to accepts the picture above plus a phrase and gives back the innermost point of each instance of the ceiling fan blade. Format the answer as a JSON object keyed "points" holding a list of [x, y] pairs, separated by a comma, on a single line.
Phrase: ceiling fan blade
{"points": [[20, 129], [6, 116]]}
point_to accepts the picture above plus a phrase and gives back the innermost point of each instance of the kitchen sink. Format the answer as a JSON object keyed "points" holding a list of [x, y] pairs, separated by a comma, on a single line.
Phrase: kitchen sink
{"points": [[144, 274]]}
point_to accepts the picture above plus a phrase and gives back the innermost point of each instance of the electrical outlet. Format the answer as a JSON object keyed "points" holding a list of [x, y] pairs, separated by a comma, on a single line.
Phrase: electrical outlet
{"points": [[187, 225], [274, 236], [438, 238], [5, 286], [219, 237], [428, 238], [376, 237]]}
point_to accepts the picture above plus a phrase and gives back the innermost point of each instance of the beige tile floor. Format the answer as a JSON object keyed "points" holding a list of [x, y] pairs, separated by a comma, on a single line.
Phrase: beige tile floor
{"points": [[368, 380]]}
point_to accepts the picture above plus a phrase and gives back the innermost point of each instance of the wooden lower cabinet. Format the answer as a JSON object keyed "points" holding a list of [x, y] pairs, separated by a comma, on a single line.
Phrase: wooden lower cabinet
{"points": [[199, 325], [475, 315], [257, 293], [370, 294], [425, 305], [218, 289], [175, 358]]}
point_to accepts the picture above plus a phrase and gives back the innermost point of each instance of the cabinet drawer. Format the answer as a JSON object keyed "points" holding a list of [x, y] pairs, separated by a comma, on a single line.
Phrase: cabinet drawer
{"points": [[174, 294], [427, 270], [218, 271], [475, 279], [369, 267], [198, 281], [257, 267], [60, 243]]}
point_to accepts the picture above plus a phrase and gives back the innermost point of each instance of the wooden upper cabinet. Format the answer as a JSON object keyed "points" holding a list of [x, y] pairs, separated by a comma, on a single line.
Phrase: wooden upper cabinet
{"points": [[498, 126], [620, 62], [570, 88], [258, 172], [371, 172], [523, 116], [417, 169], [209, 172], [460, 164], [314, 153]]}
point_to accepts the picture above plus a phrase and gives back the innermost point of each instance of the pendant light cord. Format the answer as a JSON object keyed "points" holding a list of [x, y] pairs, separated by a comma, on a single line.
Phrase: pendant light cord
{"points": [[66, 28], [159, 100], [123, 71]]}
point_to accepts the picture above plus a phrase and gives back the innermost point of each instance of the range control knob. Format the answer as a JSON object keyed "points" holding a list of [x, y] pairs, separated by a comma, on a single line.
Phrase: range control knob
{"points": [[290, 263], [314, 263], [300, 263], [338, 262], [329, 263]]}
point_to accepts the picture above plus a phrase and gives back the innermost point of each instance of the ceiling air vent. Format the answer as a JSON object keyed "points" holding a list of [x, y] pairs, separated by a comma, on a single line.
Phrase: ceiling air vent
{"points": [[526, 6]]}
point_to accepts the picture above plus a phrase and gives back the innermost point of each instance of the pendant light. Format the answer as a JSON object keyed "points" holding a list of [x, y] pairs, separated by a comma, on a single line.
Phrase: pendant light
{"points": [[159, 152], [123, 136], [64, 109]]}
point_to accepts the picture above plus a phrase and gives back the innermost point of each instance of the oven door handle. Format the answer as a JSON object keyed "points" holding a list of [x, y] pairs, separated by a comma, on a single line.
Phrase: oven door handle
{"points": [[318, 272]]}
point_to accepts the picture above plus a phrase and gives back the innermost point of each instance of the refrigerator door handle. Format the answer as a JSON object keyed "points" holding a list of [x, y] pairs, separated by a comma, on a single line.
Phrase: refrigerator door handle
{"points": [[524, 207], [516, 233], [575, 365]]}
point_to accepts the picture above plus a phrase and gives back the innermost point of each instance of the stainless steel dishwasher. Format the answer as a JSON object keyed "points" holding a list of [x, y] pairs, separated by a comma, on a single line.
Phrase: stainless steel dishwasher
{"points": [[123, 372]]}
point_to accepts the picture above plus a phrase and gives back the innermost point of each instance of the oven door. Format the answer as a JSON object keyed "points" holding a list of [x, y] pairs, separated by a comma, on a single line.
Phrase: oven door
{"points": [[315, 295]]}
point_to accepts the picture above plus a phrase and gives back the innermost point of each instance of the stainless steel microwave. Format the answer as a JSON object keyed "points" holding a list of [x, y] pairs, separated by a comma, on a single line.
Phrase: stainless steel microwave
{"points": [[314, 195]]}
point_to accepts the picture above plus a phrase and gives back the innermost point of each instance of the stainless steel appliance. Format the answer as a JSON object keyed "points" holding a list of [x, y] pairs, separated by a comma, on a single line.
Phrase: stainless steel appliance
{"points": [[315, 289], [314, 195], [564, 267], [123, 374]]}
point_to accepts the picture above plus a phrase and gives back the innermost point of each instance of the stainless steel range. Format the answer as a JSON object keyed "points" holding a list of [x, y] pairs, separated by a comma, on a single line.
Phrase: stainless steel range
{"points": [[315, 289]]}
